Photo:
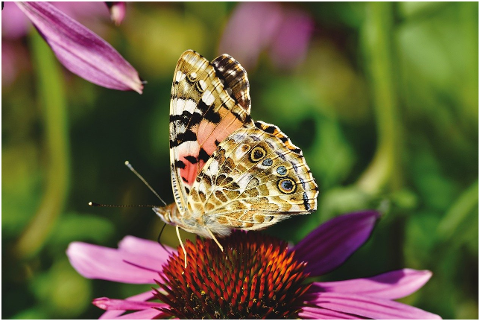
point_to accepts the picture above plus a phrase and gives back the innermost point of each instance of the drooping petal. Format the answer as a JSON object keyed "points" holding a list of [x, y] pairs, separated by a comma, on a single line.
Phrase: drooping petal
{"points": [[367, 307], [390, 285], [115, 304], [132, 244], [117, 11], [111, 314], [333, 242], [80, 50], [324, 314], [97, 262]]}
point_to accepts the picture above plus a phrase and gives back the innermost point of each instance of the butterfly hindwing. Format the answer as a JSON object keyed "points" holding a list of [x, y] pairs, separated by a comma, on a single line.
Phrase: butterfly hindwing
{"points": [[209, 101], [255, 178]]}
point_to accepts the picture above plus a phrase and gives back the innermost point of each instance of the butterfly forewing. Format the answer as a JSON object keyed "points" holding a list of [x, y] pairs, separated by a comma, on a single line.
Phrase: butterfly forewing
{"points": [[234, 79], [203, 112]]}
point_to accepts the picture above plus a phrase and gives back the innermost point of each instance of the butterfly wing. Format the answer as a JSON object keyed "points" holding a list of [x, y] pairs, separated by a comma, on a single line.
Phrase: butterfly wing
{"points": [[209, 101], [255, 178]]}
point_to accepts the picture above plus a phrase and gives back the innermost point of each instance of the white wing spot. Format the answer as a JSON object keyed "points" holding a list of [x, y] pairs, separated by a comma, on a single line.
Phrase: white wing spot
{"points": [[241, 151], [179, 105], [202, 84], [179, 76], [190, 106], [193, 75], [243, 181], [208, 98], [212, 169]]}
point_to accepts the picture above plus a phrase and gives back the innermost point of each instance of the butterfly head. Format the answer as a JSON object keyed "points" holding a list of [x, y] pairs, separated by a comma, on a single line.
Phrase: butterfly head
{"points": [[166, 213]]}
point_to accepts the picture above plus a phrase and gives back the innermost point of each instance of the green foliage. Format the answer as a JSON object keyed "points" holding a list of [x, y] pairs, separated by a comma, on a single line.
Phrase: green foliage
{"points": [[384, 106]]}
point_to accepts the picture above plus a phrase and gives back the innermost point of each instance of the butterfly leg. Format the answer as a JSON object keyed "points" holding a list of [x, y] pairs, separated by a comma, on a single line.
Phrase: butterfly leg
{"points": [[216, 241], [181, 244]]}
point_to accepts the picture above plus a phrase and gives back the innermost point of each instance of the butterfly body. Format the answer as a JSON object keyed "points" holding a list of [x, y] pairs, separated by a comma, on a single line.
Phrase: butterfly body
{"points": [[228, 172]]}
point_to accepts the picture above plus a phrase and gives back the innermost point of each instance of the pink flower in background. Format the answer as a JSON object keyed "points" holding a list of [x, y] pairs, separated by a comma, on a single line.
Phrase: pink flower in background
{"points": [[256, 276], [255, 27], [80, 50]]}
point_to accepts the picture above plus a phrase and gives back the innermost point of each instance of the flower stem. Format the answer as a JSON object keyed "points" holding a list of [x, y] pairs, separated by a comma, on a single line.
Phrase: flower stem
{"points": [[51, 96], [384, 171], [458, 214]]}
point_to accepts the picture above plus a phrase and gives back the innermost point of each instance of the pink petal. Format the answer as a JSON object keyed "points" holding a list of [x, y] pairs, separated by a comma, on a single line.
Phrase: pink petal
{"points": [[80, 50], [97, 262], [390, 285], [110, 314], [117, 11], [319, 313], [368, 307], [333, 242], [132, 244], [114, 304], [147, 314]]}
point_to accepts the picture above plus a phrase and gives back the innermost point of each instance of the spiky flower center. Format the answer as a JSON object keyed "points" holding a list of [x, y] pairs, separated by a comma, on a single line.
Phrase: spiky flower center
{"points": [[255, 277]]}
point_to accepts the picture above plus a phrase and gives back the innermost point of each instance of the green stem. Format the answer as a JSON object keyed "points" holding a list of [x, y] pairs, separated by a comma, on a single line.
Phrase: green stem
{"points": [[51, 96], [458, 214], [385, 168]]}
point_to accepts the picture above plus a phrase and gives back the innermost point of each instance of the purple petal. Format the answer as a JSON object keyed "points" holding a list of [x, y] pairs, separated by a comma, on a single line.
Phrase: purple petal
{"points": [[333, 242], [319, 313], [80, 50], [111, 314], [114, 304], [117, 11], [390, 285], [97, 262], [367, 307]]}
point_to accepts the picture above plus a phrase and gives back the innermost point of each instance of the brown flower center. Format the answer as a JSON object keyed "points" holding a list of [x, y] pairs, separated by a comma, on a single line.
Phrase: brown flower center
{"points": [[255, 277]]}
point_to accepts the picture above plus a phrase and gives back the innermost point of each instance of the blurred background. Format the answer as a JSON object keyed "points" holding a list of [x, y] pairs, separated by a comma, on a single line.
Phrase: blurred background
{"points": [[381, 97]]}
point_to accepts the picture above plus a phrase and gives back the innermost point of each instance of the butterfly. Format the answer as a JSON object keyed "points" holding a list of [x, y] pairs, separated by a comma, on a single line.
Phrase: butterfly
{"points": [[228, 171]]}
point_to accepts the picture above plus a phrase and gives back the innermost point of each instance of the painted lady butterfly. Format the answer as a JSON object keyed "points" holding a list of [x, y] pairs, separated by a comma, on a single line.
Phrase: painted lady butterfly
{"points": [[228, 172]]}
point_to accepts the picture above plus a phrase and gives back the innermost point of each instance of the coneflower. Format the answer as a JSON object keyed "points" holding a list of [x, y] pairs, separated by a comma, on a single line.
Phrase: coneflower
{"points": [[256, 276]]}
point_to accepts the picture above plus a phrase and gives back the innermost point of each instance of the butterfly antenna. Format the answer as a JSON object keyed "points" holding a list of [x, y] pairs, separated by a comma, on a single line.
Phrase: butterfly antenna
{"points": [[111, 205], [130, 167]]}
